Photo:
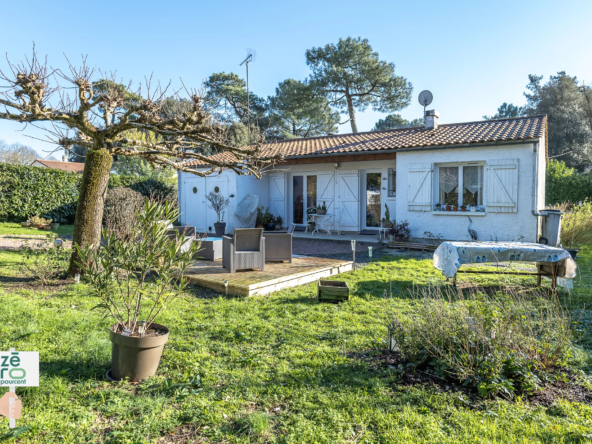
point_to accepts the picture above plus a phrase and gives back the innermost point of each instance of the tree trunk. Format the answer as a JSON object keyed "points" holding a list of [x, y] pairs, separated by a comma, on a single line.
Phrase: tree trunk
{"points": [[89, 213], [352, 115]]}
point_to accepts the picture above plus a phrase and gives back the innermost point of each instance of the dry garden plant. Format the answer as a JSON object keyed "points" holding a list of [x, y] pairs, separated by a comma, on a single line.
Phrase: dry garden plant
{"points": [[501, 344], [138, 273], [576, 226], [46, 261]]}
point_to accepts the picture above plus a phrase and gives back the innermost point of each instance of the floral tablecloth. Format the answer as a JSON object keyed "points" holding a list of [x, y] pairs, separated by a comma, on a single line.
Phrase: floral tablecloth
{"points": [[451, 255]]}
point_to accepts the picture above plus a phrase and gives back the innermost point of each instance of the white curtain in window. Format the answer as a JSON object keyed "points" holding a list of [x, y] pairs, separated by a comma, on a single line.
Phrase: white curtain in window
{"points": [[472, 178], [448, 178]]}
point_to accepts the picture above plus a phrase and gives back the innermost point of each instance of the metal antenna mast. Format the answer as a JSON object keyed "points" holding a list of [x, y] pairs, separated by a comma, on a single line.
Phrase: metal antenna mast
{"points": [[246, 62]]}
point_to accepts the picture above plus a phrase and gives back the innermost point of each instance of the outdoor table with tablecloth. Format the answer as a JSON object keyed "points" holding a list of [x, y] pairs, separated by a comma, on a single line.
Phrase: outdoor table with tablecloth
{"points": [[449, 256]]}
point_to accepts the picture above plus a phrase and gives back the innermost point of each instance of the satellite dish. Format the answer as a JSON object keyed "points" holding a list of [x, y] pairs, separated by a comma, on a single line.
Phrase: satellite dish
{"points": [[425, 98]]}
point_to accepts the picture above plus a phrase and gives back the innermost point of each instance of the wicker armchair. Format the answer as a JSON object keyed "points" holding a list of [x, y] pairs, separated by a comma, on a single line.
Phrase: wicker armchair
{"points": [[278, 248], [245, 250]]}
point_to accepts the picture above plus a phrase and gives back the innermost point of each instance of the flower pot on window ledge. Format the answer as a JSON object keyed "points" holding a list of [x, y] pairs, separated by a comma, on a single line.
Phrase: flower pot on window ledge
{"points": [[463, 208], [448, 207], [220, 228]]}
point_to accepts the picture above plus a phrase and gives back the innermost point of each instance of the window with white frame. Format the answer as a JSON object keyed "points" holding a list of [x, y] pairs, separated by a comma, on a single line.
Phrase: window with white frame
{"points": [[460, 185], [392, 182]]}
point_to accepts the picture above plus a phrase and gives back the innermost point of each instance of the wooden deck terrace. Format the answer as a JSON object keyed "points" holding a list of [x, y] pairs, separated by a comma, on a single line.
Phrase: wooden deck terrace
{"points": [[277, 275]]}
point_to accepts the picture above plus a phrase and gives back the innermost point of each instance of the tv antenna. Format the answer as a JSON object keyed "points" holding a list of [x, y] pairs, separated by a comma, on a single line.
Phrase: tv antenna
{"points": [[250, 58], [425, 98]]}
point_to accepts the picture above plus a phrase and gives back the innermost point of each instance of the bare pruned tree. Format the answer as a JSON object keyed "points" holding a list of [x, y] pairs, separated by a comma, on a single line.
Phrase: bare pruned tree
{"points": [[108, 118]]}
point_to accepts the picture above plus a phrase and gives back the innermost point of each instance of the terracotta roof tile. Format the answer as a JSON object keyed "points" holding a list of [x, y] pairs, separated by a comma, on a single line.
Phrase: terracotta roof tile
{"points": [[72, 167], [485, 131]]}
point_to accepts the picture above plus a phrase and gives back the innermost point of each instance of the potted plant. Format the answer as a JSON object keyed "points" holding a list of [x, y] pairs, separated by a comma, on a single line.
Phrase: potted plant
{"points": [[55, 225], [322, 210], [400, 231], [260, 218], [268, 220], [218, 203], [387, 215], [278, 222], [454, 208], [448, 207], [136, 276], [463, 208], [473, 208], [26, 224], [438, 207], [40, 222], [383, 223]]}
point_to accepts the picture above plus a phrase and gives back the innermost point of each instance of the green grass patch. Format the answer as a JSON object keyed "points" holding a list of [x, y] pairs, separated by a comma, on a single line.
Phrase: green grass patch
{"points": [[278, 368], [9, 228]]}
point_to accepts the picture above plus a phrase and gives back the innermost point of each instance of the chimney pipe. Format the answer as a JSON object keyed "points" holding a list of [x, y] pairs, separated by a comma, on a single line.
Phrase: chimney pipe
{"points": [[431, 119], [64, 159]]}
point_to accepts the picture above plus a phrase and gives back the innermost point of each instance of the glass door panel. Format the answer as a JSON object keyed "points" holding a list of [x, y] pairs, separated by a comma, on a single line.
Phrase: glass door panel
{"points": [[298, 199], [373, 204]]}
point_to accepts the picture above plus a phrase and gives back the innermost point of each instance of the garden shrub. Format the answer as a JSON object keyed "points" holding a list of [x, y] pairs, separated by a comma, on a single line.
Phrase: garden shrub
{"points": [[576, 226], [46, 261], [27, 191], [565, 184], [499, 344], [121, 208]]}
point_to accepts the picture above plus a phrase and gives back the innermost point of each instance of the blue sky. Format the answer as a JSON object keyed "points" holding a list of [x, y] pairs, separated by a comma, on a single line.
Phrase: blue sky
{"points": [[472, 55]]}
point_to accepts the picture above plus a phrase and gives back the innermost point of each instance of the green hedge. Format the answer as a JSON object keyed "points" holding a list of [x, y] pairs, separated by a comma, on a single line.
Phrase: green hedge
{"points": [[565, 184], [27, 191]]}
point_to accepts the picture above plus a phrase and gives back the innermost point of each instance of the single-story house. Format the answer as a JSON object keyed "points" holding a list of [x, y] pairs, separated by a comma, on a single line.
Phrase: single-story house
{"points": [[71, 167], [493, 170]]}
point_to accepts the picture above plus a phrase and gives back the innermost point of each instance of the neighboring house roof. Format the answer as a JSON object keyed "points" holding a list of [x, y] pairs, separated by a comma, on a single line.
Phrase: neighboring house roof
{"points": [[484, 131], [72, 167]]}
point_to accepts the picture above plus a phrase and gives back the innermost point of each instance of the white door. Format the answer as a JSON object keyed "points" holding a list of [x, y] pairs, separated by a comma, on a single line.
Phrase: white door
{"points": [[277, 196], [194, 202], [348, 200], [216, 185]]}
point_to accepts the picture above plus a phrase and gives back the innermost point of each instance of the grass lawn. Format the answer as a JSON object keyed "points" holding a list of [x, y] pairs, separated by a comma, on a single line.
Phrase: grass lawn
{"points": [[278, 368], [9, 228]]}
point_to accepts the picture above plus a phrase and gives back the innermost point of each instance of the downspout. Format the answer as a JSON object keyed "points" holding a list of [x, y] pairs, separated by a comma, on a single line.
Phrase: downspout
{"points": [[535, 183]]}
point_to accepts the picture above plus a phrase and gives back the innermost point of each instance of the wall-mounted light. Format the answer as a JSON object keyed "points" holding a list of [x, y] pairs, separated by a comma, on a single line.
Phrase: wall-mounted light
{"points": [[336, 165]]}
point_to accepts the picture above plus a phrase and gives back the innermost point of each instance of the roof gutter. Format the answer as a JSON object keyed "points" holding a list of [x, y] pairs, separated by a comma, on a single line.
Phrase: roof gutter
{"points": [[421, 148]]}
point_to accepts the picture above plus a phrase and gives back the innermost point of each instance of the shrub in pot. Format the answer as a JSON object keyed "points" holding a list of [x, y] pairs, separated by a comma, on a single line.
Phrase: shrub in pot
{"points": [[39, 222], [218, 203], [136, 275]]}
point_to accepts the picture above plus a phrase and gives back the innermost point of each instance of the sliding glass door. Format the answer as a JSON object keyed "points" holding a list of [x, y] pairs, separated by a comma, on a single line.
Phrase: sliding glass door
{"points": [[373, 202], [304, 196]]}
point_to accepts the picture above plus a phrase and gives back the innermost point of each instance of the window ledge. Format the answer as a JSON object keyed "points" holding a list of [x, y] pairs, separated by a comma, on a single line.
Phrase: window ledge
{"points": [[460, 213]]}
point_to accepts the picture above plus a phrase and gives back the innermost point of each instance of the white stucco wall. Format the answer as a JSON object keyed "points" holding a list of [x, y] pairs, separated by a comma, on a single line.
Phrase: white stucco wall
{"points": [[521, 225], [194, 208]]}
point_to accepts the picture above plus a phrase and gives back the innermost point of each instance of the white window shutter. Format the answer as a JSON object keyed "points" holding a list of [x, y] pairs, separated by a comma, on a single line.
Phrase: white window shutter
{"points": [[501, 186], [419, 193]]}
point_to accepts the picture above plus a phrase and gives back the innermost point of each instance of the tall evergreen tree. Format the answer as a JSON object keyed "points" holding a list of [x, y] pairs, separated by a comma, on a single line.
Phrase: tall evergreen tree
{"points": [[567, 104], [296, 111], [506, 111], [352, 77], [395, 121]]}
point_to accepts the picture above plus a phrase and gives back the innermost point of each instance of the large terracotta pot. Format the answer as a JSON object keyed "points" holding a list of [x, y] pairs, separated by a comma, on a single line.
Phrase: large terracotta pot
{"points": [[134, 357]]}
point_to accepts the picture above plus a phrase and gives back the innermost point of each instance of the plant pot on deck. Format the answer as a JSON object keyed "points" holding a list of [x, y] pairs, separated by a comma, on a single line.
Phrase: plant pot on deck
{"points": [[136, 358], [220, 228], [54, 225]]}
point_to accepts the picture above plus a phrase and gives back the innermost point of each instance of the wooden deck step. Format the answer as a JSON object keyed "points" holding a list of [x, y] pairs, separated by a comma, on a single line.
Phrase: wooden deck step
{"points": [[275, 277]]}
